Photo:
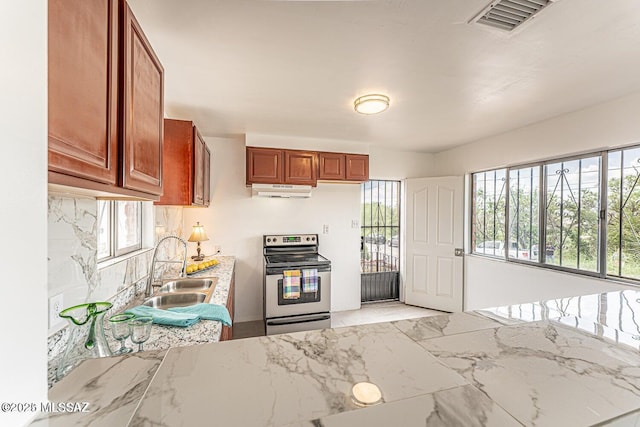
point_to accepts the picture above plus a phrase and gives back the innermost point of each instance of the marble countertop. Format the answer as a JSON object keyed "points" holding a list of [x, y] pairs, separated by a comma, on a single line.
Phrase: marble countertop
{"points": [[569, 362], [165, 337], [206, 331]]}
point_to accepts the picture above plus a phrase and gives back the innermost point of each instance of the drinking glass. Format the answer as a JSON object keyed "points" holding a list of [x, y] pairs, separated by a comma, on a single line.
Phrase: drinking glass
{"points": [[140, 330], [121, 330]]}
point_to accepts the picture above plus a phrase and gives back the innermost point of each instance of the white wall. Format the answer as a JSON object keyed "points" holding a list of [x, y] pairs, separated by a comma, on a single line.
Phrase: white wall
{"points": [[23, 162], [398, 165], [236, 222], [491, 283], [607, 125], [304, 143]]}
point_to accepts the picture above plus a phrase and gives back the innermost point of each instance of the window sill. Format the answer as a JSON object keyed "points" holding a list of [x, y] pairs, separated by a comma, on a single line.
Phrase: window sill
{"points": [[112, 261]]}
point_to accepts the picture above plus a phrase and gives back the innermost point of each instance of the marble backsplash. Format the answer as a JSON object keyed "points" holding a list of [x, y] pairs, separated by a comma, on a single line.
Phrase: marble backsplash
{"points": [[72, 264]]}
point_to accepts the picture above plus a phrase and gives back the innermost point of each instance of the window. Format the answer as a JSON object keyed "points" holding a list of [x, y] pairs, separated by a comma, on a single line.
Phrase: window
{"points": [[572, 213], [580, 214], [119, 228], [623, 213], [488, 214], [524, 213]]}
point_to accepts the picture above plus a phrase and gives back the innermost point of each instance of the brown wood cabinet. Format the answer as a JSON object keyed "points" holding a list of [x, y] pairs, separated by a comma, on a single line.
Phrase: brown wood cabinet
{"points": [[142, 109], [83, 90], [227, 332], [357, 167], [299, 167], [264, 166], [207, 176], [186, 165], [105, 100], [331, 166], [280, 166], [343, 167]]}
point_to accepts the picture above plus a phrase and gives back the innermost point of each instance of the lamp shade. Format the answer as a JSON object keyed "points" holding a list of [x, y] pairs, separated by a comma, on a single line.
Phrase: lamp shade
{"points": [[198, 234], [371, 104]]}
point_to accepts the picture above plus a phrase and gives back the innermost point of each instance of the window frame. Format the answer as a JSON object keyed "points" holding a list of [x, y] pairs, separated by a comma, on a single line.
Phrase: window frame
{"points": [[472, 204], [603, 210], [541, 219], [114, 252]]}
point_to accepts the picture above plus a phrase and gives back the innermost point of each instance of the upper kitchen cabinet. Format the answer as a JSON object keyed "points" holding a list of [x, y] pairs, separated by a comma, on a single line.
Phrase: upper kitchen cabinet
{"points": [[280, 166], [331, 166], [105, 100], [142, 109], [343, 167], [276, 166], [264, 165], [83, 91], [186, 165], [357, 167], [300, 167], [206, 197]]}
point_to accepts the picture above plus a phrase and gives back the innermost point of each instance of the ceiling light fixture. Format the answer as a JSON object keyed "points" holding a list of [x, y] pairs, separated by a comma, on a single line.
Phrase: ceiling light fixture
{"points": [[371, 104]]}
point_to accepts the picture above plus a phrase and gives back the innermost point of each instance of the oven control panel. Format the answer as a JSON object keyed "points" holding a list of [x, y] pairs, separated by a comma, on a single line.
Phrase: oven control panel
{"points": [[290, 240]]}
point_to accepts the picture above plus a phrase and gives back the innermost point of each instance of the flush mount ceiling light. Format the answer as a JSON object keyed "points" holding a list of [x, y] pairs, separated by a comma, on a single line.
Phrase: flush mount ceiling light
{"points": [[371, 104]]}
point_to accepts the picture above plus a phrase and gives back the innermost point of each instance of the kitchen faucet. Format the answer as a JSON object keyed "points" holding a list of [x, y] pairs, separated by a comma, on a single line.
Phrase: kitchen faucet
{"points": [[149, 289]]}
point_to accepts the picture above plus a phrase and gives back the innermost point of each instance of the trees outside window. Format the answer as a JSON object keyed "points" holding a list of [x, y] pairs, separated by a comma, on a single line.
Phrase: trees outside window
{"points": [[580, 214], [488, 212], [623, 213]]}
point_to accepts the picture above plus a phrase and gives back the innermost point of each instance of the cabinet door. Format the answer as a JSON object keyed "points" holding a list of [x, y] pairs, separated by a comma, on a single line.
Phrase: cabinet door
{"points": [[198, 169], [207, 176], [357, 167], [264, 166], [83, 89], [177, 159], [300, 167], [331, 166], [227, 332], [142, 109]]}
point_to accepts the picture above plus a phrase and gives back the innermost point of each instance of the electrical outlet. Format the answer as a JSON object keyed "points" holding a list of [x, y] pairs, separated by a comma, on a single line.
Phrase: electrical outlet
{"points": [[325, 229], [55, 307]]}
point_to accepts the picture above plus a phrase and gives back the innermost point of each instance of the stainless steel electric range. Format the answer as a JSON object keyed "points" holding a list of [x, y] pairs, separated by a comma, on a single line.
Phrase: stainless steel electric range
{"points": [[297, 284]]}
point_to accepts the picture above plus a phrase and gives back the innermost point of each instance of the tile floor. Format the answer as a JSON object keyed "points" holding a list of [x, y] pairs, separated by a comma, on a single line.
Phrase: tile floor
{"points": [[379, 312], [369, 313]]}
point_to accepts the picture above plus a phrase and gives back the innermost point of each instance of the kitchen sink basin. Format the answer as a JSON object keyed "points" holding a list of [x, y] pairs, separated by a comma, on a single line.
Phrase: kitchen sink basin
{"points": [[189, 285], [179, 299]]}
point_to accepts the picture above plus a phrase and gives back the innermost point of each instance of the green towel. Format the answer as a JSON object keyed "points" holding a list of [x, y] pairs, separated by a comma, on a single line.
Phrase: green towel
{"points": [[164, 317], [206, 311]]}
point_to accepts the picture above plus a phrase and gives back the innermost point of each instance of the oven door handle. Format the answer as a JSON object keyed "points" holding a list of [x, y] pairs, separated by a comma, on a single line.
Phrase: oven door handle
{"points": [[290, 321]]}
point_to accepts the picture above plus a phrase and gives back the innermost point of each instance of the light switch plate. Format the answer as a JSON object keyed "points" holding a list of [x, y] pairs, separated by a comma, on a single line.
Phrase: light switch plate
{"points": [[55, 307], [355, 223]]}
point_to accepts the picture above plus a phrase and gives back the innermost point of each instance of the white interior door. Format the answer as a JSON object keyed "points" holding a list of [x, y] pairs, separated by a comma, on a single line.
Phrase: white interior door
{"points": [[434, 274]]}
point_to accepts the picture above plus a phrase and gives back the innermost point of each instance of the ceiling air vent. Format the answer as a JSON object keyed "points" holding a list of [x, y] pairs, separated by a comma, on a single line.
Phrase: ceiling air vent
{"points": [[509, 14]]}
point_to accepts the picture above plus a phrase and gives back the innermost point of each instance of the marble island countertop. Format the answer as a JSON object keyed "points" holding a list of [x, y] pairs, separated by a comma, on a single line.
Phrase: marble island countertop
{"points": [[568, 362]]}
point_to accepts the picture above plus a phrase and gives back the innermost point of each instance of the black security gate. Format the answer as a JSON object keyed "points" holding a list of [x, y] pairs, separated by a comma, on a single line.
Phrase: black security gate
{"points": [[380, 241]]}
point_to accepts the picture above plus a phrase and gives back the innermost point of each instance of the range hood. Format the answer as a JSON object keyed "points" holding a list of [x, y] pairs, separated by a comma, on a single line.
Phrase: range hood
{"points": [[281, 190]]}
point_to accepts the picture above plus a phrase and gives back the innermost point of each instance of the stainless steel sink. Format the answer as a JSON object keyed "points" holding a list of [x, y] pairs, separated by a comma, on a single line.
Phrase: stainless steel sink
{"points": [[178, 299], [189, 285]]}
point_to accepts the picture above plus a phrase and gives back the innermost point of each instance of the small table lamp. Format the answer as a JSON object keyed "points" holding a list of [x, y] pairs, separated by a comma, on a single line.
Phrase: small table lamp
{"points": [[198, 235]]}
